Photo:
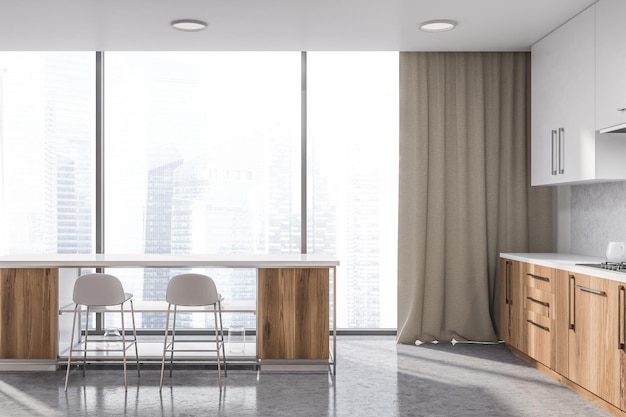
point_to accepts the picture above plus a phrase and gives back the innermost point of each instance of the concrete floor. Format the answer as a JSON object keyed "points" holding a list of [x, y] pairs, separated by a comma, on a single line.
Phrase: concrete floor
{"points": [[375, 377]]}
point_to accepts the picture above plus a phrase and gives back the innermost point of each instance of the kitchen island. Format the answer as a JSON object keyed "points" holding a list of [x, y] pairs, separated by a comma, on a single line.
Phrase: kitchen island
{"points": [[293, 303]]}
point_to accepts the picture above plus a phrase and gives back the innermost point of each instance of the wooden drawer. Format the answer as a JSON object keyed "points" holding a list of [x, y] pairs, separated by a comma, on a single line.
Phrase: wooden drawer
{"points": [[539, 308], [539, 277], [539, 302], [539, 321], [539, 338]]}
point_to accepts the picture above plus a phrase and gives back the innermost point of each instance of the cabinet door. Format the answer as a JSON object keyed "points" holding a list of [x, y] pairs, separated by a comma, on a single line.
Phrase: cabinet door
{"points": [[293, 313], [611, 63], [512, 327], [621, 345], [594, 359], [563, 103], [505, 306], [562, 296], [28, 313]]}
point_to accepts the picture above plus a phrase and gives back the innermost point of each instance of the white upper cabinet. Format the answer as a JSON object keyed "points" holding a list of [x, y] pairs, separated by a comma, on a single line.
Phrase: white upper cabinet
{"points": [[563, 96], [611, 64], [565, 147]]}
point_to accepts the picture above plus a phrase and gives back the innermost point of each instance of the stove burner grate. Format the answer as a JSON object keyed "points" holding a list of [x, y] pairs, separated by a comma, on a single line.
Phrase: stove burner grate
{"points": [[613, 266]]}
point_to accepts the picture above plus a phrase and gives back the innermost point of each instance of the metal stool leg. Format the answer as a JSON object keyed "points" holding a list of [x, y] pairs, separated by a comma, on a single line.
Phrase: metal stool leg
{"points": [[69, 359], [217, 349], [173, 340], [124, 346], [86, 337], [219, 304], [167, 325], [132, 315]]}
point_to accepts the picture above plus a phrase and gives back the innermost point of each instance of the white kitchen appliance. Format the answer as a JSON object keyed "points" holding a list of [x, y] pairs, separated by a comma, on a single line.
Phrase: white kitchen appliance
{"points": [[616, 251]]}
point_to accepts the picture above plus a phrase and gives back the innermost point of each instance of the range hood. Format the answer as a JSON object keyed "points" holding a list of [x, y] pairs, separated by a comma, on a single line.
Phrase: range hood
{"points": [[621, 128]]}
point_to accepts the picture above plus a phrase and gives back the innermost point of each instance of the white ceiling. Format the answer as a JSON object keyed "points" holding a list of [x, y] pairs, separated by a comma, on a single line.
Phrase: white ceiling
{"points": [[486, 25]]}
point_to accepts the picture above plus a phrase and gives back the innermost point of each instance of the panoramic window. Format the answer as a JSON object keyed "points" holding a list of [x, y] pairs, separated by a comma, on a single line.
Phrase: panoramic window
{"points": [[352, 120], [47, 135], [202, 155]]}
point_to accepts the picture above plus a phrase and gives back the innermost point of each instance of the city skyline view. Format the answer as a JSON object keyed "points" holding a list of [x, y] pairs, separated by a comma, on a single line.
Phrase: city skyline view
{"points": [[205, 158]]}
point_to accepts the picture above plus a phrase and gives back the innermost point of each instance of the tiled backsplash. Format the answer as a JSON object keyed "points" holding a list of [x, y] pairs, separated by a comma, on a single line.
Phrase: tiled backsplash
{"points": [[598, 216]]}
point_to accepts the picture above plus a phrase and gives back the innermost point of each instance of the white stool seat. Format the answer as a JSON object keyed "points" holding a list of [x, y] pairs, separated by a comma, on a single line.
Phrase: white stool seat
{"points": [[95, 291], [193, 290]]}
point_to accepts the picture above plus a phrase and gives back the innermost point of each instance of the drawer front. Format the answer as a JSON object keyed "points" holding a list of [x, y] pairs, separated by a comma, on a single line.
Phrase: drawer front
{"points": [[539, 302], [539, 308], [539, 321], [539, 339], [540, 278]]}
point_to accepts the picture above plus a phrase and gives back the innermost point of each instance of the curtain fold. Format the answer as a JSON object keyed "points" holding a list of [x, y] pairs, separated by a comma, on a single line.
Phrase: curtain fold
{"points": [[465, 192]]}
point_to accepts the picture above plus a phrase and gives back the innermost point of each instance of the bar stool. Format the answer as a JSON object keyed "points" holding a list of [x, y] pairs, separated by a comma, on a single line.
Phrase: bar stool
{"points": [[192, 289], [96, 291]]}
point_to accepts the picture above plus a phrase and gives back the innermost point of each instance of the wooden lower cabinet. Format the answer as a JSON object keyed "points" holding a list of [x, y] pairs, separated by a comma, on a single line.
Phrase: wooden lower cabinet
{"points": [[621, 346], [594, 353], [293, 313], [575, 326], [538, 313], [561, 322], [512, 327], [28, 313]]}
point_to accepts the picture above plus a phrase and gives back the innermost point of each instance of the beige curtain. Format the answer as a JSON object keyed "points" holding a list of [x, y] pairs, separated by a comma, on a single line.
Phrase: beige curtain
{"points": [[465, 192]]}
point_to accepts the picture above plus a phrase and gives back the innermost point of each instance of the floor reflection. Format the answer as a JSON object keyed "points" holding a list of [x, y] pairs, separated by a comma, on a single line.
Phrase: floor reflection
{"points": [[375, 377]]}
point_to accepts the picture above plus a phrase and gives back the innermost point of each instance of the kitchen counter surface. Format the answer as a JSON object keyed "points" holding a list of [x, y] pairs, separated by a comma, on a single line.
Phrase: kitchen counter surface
{"points": [[167, 260], [567, 261]]}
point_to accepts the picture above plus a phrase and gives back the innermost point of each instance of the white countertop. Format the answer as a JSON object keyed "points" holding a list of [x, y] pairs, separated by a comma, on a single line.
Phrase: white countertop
{"points": [[567, 261], [167, 260]]}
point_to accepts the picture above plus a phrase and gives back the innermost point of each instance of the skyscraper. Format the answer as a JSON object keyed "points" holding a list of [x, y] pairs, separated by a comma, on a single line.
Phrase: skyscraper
{"points": [[68, 140]]}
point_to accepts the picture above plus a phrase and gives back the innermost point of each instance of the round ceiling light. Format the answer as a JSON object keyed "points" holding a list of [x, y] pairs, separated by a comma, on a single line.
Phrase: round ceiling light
{"points": [[437, 25], [189, 25]]}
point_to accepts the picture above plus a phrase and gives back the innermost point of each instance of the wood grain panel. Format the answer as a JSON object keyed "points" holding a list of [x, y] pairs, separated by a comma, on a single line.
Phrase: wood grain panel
{"points": [[621, 319], [28, 313], [293, 313], [539, 277], [312, 309], [505, 308], [539, 339], [518, 322], [594, 357], [561, 322], [539, 302], [538, 308], [275, 314]]}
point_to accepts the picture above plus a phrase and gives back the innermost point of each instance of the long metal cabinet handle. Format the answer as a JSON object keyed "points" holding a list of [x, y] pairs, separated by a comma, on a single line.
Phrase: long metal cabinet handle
{"points": [[561, 150], [591, 290], [621, 310], [540, 278], [554, 152], [534, 300], [547, 329], [571, 303]]}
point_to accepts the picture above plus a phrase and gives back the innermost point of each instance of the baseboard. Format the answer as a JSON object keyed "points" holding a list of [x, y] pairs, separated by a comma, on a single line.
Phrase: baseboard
{"points": [[28, 365], [294, 365]]}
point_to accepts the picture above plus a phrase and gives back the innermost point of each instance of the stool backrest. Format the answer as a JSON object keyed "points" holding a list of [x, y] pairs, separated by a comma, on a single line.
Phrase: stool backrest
{"points": [[98, 289], [191, 290]]}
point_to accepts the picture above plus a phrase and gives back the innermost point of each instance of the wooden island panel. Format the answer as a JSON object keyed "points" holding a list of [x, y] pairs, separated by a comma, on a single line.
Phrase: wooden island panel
{"points": [[293, 313], [28, 313]]}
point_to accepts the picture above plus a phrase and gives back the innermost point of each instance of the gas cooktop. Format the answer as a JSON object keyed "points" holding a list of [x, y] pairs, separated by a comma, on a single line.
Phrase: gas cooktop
{"points": [[609, 266]]}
